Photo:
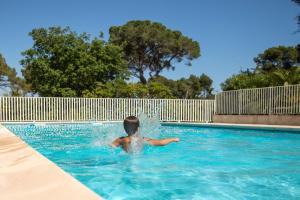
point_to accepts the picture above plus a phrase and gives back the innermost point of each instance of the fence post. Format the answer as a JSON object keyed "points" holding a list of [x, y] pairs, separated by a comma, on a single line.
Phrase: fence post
{"points": [[270, 101], [239, 93]]}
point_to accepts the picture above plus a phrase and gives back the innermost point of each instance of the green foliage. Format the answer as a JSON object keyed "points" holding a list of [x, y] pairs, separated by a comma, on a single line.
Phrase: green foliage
{"points": [[136, 90], [6, 73], [152, 47], [277, 58], [120, 89], [107, 90], [157, 88], [63, 63], [190, 88], [274, 67], [194, 87], [246, 79], [205, 89], [9, 79], [159, 91]]}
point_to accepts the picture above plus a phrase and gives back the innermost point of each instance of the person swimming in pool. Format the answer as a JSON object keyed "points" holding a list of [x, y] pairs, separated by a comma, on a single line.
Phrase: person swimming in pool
{"points": [[134, 141]]}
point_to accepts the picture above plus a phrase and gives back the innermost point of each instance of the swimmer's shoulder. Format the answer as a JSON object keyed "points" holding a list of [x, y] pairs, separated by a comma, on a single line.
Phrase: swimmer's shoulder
{"points": [[124, 139]]}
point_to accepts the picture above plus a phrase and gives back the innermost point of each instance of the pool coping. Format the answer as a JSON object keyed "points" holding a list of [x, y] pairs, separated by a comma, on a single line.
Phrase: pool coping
{"points": [[236, 126], [27, 174]]}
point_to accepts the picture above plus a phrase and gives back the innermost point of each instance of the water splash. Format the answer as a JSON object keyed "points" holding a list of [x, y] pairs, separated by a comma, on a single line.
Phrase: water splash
{"points": [[149, 126], [106, 133], [137, 144]]}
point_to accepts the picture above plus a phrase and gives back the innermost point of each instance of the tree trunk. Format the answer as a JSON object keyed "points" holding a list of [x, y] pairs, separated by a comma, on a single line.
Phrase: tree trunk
{"points": [[142, 78]]}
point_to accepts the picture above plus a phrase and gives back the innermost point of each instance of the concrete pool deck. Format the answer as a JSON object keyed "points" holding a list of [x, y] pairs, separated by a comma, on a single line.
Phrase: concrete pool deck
{"points": [[26, 174]]}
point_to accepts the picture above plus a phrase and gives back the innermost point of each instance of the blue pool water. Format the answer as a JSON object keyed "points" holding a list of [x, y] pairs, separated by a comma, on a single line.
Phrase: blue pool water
{"points": [[208, 163]]}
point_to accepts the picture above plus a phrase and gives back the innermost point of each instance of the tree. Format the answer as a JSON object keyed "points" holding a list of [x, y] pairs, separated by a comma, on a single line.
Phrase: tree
{"points": [[194, 87], [6, 73], [205, 86], [151, 46], [246, 79], [276, 66], [298, 51], [120, 89], [136, 90], [63, 63], [190, 88], [159, 91], [9, 79], [276, 58], [110, 89]]}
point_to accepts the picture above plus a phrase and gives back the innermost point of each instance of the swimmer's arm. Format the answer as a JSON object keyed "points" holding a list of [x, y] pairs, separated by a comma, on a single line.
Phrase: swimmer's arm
{"points": [[117, 142], [162, 142]]}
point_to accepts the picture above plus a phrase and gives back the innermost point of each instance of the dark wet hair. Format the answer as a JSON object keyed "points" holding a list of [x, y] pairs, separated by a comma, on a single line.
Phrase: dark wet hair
{"points": [[131, 125]]}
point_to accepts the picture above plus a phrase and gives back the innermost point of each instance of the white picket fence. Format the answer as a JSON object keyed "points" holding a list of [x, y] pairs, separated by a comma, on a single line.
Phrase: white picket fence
{"points": [[282, 100], [13, 109]]}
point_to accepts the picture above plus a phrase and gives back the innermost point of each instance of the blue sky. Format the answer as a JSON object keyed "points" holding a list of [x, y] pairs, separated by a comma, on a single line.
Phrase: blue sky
{"points": [[230, 32]]}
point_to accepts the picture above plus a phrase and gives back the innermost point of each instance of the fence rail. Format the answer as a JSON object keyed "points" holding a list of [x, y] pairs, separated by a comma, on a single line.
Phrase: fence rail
{"points": [[102, 109], [283, 100]]}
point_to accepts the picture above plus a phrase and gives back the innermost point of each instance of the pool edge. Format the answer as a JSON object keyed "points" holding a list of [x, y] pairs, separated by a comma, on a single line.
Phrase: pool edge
{"points": [[236, 126], [27, 174], [178, 123]]}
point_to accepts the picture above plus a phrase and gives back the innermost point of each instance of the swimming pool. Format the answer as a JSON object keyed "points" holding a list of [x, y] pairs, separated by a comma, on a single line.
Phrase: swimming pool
{"points": [[208, 163]]}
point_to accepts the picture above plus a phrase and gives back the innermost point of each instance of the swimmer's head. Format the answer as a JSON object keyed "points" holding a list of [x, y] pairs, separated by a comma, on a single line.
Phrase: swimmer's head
{"points": [[131, 125]]}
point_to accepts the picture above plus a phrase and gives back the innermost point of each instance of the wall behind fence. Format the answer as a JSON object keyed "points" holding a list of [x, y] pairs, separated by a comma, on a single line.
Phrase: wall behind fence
{"points": [[283, 100], [104, 109]]}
